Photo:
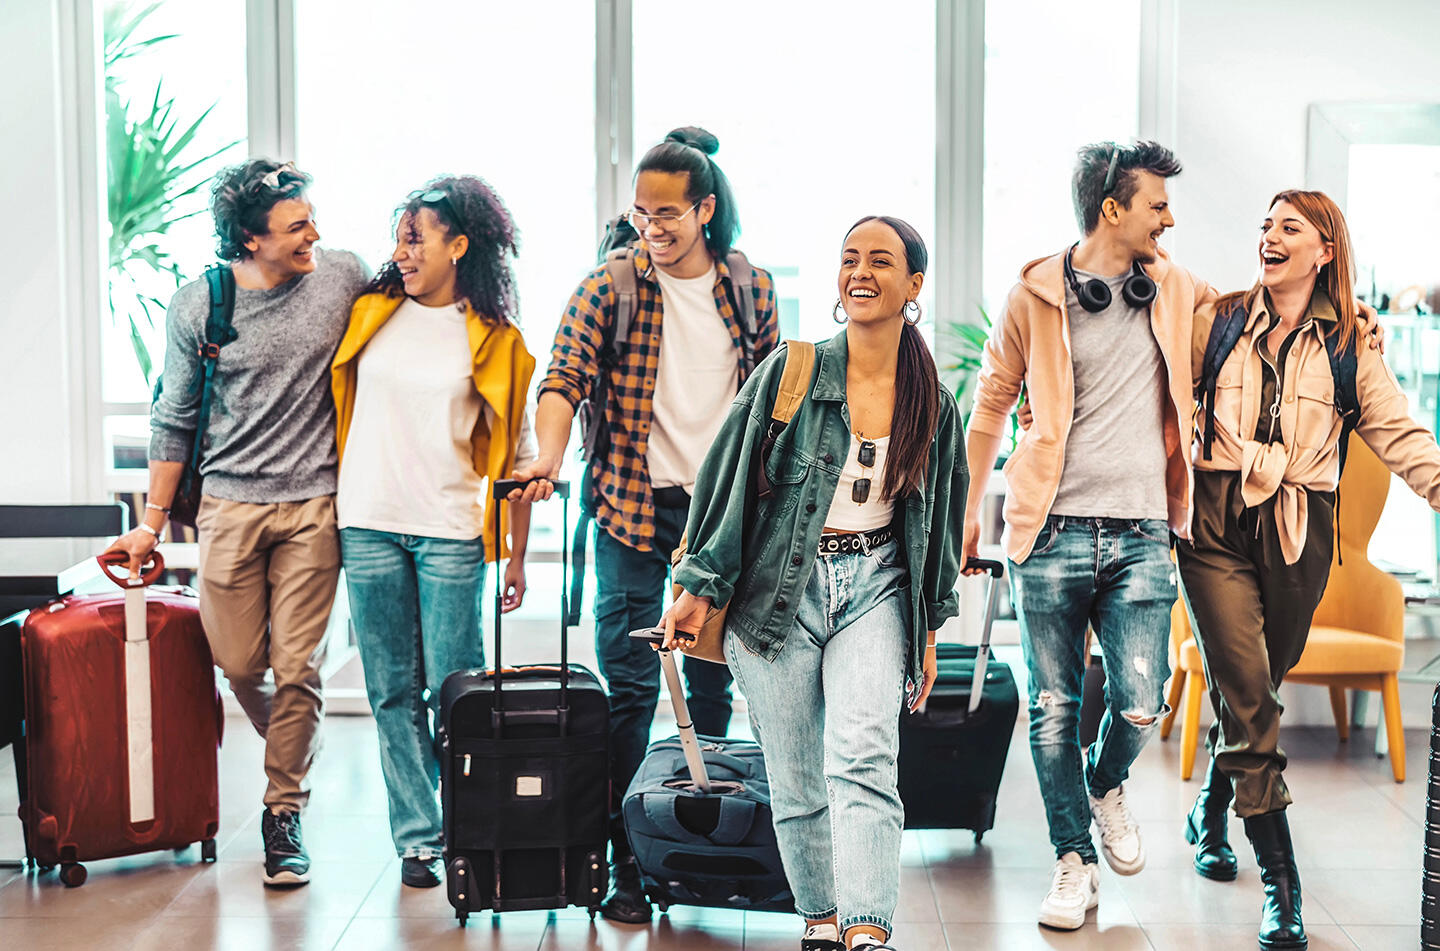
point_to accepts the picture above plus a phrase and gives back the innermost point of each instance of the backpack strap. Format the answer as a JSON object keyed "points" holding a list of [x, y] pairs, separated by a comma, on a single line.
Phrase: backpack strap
{"points": [[1347, 400], [794, 385], [742, 282], [219, 330], [1224, 333]]}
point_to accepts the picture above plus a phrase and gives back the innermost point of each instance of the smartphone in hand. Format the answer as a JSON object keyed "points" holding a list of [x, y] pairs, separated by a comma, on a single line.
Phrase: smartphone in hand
{"points": [[655, 636]]}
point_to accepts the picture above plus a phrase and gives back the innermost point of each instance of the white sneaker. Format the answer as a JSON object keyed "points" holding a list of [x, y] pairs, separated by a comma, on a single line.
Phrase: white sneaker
{"points": [[1074, 890], [1119, 833]]}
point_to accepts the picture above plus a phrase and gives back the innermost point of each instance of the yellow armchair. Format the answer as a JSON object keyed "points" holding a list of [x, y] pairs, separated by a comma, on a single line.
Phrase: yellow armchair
{"points": [[1356, 641]]}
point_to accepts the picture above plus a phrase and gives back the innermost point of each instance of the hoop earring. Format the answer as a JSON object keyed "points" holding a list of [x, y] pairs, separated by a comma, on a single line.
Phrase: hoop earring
{"points": [[837, 311], [911, 306]]}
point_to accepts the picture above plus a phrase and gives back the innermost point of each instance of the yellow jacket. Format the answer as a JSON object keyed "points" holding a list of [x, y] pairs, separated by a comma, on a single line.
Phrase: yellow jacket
{"points": [[502, 371]]}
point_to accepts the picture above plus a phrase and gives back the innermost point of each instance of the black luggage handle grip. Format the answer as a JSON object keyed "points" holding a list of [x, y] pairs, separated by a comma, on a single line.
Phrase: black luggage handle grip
{"points": [[995, 568], [504, 487]]}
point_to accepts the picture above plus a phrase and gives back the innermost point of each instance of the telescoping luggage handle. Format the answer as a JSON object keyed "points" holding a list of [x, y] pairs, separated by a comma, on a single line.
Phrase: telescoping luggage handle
{"points": [[996, 570], [139, 722], [498, 717], [699, 775]]}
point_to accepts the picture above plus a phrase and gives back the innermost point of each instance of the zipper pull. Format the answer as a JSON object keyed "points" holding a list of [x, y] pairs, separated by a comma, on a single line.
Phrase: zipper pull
{"points": [[465, 770]]}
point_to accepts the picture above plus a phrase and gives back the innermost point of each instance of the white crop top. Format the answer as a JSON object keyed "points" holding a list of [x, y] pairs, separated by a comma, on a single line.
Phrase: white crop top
{"points": [[875, 512]]}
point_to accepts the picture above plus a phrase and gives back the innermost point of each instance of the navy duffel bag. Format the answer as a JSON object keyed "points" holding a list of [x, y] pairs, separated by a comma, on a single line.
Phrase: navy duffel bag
{"points": [[699, 821]]}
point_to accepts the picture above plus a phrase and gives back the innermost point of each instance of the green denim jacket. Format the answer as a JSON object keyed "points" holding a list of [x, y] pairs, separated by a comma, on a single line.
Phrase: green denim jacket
{"points": [[757, 555]]}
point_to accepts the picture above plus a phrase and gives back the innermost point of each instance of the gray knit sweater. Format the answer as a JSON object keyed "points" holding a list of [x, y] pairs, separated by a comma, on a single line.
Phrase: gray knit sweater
{"points": [[271, 436]]}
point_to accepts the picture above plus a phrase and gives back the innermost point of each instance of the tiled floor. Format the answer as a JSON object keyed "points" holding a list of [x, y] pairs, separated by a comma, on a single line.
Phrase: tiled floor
{"points": [[1358, 839]]}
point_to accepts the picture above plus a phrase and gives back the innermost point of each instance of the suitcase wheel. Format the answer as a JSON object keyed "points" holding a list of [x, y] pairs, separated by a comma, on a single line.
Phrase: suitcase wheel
{"points": [[73, 875], [662, 905], [978, 837], [207, 850], [464, 916], [592, 916]]}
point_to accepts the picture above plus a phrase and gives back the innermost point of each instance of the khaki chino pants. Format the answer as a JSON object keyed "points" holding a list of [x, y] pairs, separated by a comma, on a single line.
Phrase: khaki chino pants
{"points": [[268, 574]]}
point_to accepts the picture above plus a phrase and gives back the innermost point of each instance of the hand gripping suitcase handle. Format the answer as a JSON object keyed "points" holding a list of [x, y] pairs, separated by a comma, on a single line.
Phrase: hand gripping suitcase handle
{"points": [[996, 570], [150, 571], [699, 775], [500, 489]]}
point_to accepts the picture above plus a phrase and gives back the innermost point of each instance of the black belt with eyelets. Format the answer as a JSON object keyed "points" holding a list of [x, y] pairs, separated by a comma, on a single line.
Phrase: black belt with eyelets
{"points": [[848, 543]]}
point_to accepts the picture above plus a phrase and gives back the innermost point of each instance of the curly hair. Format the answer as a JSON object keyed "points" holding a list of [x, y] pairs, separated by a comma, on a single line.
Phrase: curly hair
{"points": [[240, 202], [484, 278]]}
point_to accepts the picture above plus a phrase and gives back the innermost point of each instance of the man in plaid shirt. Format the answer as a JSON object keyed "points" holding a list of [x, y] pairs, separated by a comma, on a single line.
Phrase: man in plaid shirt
{"points": [[666, 400]]}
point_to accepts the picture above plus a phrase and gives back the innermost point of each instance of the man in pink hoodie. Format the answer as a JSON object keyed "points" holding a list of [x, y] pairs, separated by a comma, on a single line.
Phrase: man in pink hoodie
{"points": [[1099, 336]]}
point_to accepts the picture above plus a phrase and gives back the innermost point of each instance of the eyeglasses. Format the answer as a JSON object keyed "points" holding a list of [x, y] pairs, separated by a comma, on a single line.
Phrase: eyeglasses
{"points": [[860, 491], [1109, 185], [288, 170], [640, 221]]}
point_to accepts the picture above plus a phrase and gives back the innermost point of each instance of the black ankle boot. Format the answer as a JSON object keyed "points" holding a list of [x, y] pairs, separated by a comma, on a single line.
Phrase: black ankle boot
{"points": [[626, 902], [1280, 924], [1206, 828]]}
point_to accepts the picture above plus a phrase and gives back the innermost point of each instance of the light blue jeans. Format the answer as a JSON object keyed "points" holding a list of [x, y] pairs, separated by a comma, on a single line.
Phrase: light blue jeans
{"points": [[828, 708], [1114, 575], [409, 596]]}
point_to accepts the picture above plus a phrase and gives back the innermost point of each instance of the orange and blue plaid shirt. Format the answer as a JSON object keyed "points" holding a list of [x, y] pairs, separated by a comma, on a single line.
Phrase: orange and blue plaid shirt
{"points": [[624, 504]]}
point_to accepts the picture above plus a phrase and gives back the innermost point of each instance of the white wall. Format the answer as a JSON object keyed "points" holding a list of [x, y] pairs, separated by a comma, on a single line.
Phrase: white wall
{"points": [[1246, 74], [41, 441]]}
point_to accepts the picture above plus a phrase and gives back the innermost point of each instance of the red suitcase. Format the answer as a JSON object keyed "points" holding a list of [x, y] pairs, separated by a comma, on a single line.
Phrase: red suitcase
{"points": [[123, 721]]}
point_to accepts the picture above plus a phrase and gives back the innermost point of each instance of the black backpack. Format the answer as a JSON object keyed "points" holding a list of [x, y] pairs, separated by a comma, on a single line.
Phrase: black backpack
{"points": [[1226, 330]]}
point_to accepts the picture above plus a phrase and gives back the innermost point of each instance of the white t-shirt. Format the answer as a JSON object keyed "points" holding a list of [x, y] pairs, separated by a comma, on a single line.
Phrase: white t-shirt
{"points": [[875, 512], [409, 465], [697, 379]]}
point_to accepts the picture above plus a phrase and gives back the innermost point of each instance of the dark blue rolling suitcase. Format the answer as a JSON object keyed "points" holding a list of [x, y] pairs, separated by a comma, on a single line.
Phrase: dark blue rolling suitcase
{"points": [[698, 818]]}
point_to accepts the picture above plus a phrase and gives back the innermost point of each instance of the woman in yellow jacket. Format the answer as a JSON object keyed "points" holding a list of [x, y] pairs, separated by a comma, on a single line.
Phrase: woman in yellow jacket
{"points": [[429, 383], [1264, 515]]}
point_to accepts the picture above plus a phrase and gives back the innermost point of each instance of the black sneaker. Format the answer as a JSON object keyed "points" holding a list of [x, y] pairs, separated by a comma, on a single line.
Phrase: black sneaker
{"points": [[421, 873], [626, 902], [286, 862]]}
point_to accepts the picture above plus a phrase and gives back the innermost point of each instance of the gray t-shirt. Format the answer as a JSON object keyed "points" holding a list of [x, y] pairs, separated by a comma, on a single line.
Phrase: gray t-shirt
{"points": [[271, 435], [1115, 456]]}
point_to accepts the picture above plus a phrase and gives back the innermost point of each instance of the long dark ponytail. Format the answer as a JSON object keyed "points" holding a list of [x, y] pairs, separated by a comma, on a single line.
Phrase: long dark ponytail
{"points": [[687, 150], [916, 416]]}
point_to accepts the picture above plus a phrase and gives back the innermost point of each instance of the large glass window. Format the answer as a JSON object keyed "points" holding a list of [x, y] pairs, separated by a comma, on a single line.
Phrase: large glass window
{"points": [[838, 122], [1049, 91], [163, 70], [390, 96]]}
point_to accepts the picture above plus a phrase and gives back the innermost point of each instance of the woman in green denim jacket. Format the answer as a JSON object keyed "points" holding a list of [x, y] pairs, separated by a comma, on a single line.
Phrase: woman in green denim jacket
{"points": [[840, 584]]}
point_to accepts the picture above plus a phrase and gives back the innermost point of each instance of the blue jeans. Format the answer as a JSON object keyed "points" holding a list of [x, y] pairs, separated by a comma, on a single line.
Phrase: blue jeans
{"points": [[1114, 575], [828, 708], [629, 592], [412, 596]]}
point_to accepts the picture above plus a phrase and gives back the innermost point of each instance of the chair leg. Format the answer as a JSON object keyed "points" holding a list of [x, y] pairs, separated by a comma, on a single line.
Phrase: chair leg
{"points": [[1177, 690], [1190, 727], [1394, 729], [1337, 707]]}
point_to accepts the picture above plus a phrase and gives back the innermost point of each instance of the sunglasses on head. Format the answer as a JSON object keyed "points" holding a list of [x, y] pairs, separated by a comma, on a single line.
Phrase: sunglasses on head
{"points": [[283, 177]]}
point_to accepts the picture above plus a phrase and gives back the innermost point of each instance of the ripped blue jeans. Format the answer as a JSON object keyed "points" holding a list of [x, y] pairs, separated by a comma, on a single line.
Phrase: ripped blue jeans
{"points": [[1114, 575]]}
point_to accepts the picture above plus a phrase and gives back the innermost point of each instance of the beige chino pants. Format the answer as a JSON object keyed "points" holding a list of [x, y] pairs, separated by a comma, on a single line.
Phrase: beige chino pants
{"points": [[268, 574]]}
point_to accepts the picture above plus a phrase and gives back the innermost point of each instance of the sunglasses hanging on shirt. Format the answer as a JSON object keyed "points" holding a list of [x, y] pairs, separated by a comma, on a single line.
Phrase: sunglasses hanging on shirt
{"points": [[860, 491]]}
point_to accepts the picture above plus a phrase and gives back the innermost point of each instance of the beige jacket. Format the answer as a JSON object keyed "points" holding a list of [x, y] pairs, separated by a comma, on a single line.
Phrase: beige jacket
{"points": [[1031, 346], [1308, 455]]}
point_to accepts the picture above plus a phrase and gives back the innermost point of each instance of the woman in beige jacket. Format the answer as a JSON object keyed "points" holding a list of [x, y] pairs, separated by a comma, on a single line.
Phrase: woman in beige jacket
{"points": [[1264, 514]]}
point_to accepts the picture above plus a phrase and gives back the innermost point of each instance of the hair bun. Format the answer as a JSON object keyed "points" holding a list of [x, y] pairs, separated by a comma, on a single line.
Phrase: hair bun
{"points": [[695, 137]]}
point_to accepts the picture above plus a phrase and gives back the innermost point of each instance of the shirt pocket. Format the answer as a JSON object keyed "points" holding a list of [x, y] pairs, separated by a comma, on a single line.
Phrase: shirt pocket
{"points": [[1229, 399], [1315, 418]]}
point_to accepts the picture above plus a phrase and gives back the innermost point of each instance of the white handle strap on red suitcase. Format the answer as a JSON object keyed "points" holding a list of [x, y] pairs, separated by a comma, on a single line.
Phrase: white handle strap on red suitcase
{"points": [[139, 722]]}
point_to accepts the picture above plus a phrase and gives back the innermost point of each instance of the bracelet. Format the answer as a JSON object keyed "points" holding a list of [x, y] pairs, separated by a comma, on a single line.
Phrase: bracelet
{"points": [[157, 508], [159, 536]]}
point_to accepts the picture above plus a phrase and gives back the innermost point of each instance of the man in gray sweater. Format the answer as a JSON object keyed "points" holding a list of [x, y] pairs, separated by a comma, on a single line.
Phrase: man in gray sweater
{"points": [[269, 551]]}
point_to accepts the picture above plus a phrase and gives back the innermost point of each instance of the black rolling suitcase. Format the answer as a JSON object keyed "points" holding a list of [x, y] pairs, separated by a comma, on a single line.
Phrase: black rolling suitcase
{"points": [[697, 815], [952, 753], [525, 779]]}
